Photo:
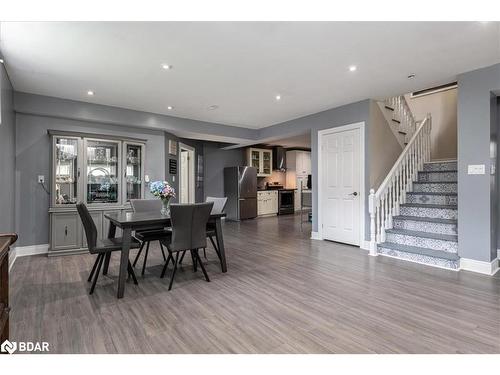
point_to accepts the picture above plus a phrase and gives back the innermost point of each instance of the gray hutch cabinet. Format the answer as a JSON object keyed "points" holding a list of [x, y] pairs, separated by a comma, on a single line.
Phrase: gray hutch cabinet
{"points": [[105, 172]]}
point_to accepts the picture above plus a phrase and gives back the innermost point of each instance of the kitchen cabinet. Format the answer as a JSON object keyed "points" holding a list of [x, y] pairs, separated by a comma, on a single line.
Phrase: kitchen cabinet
{"points": [[298, 167], [267, 202], [261, 159], [105, 172]]}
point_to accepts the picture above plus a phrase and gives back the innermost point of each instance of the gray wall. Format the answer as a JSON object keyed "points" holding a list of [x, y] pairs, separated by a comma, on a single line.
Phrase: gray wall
{"points": [[7, 155], [33, 159], [498, 174], [476, 140], [216, 160]]}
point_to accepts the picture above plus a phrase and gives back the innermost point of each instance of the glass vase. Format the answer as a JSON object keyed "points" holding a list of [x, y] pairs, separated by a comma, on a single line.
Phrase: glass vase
{"points": [[165, 207]]}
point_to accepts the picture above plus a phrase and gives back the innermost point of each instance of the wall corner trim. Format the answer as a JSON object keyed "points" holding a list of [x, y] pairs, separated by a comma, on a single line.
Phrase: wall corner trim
{"points": [[485, 268], [24, 251], [316, 236]]}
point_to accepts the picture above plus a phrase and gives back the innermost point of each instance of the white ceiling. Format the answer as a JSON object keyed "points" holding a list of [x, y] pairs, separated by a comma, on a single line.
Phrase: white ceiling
{"points": [[240, 66]]}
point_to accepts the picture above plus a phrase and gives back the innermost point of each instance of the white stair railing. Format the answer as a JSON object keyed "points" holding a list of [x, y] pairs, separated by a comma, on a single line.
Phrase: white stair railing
{"points": [[384, 203], [403, 114]]}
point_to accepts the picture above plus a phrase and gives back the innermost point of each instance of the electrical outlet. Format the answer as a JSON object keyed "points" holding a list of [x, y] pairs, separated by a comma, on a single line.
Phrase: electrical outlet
{"points": [[41, 179], [146, 178]]}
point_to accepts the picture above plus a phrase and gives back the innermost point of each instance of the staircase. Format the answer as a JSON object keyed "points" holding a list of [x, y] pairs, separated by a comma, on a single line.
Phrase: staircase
{"points": [[425, 230]]}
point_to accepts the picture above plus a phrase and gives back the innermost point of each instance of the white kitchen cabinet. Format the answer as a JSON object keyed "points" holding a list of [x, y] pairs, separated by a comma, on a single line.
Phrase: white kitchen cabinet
{"points": [[267, 202], [298, 166], [261, 159]]}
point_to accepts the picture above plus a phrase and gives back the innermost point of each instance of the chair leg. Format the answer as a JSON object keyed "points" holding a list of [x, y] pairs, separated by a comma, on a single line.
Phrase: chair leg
{"points": [[97, 273], [162, 252], [145, 259], [215, 246], [94, 267], [201, 265], [182, 257], [205, 253], [138, 254], [173, 273], [193, 259], [132, 273], [166, 265]]}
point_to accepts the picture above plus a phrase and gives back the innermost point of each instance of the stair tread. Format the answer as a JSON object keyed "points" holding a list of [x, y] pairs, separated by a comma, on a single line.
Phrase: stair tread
{"points": [[426, 219], [441, 162], [420, 250], [432, 193], [435, 182], [423, 205], [415, 233], [440, 171]]}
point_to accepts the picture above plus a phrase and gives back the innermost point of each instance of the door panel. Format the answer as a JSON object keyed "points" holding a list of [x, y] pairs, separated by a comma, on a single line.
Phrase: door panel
{"points": [[341, 178]]}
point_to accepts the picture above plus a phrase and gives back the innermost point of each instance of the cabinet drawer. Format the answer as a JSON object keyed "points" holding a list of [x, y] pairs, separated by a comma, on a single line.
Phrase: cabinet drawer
{"points": [[66, 231]]}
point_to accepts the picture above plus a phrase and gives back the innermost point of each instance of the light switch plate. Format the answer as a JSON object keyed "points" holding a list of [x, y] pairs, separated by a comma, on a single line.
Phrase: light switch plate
{"points": [[41, 179], [146, 178], [476, 169]]}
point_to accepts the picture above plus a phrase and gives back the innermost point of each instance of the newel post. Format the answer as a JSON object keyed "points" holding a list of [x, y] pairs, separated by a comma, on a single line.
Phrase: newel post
{"points": [[373, 233]]}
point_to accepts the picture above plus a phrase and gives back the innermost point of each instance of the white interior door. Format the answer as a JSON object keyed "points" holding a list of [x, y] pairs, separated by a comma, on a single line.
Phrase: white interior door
{"points": [[341, 186], [184, 181]]}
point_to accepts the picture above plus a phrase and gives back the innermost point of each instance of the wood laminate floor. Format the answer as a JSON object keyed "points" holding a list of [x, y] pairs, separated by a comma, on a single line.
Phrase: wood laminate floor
{"points": [[283, 293]]}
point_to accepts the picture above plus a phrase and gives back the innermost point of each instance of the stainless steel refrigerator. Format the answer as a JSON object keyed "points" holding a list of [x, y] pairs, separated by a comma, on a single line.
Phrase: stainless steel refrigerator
{"points": [[240, 188]]}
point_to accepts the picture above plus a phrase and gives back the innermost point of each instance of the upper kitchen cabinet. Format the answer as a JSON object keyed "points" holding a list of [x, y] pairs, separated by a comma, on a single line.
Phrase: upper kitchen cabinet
{"points": [[262, 160], [298, 162]]}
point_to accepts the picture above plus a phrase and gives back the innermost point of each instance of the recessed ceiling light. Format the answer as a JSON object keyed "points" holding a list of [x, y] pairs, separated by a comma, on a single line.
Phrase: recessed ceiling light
{"points": [[352, 68], [213, 107], [166, 66], [1, 61], [170, 107], [278, 97], [411, 76], [90, 93]]}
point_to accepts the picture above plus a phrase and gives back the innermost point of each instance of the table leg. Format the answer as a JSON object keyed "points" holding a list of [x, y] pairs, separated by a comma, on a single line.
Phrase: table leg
{"points": [[127, 236], [107, 257], [220, 243]]}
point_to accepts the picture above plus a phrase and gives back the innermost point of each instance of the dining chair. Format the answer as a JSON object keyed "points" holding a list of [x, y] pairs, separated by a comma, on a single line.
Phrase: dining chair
{"points": [[218, 208], [101, 247], [189, 224], [146, 236]]}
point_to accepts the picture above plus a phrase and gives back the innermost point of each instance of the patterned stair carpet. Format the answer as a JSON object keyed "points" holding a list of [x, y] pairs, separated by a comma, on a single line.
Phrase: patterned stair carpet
{"points": [[425, 231]]}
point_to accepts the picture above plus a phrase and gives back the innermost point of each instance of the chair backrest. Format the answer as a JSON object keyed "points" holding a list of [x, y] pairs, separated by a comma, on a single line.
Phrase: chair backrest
{"points": [[88, 225], [219, 204], [145, 205], [189, 222]]}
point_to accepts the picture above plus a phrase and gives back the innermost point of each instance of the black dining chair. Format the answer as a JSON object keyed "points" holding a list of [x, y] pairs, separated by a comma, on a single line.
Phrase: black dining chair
{"points": [[218, 208], [189, 223], [101, 247], [148, 235]]}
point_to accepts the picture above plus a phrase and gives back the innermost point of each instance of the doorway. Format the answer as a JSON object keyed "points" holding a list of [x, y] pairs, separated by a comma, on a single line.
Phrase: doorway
{"points": [[341, 194], [186, 174]]}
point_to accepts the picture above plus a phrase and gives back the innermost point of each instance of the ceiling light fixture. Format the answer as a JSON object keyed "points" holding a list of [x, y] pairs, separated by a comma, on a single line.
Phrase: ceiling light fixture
{"points": [[166, 66], [278, 97], [1, 61], [411, 76], [213, 107], [90, 93], [352, 68], [170, 107]]}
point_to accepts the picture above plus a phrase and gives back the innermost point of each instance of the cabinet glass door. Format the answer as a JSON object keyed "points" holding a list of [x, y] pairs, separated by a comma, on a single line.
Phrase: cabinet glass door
{"points": [[133, 171], [66, 170], [102, 171], [266, 162], [255, 160]]}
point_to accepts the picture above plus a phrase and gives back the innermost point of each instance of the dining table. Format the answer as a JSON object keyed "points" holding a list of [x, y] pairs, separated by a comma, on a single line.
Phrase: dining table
{"points": [[132, 221]]}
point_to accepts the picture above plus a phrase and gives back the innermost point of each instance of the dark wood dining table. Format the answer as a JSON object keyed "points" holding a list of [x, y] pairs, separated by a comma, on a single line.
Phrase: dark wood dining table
{"points": [[131, 221]]}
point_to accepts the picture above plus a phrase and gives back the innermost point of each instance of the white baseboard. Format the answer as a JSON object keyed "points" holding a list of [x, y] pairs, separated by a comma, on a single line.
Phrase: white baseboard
{"points": [[486, 268], [24, 251], [315, 236], [365, 245]]}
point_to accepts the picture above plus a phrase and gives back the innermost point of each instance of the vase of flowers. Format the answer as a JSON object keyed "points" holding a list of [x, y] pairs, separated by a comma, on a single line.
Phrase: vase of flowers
{"points": [[165, 192]]}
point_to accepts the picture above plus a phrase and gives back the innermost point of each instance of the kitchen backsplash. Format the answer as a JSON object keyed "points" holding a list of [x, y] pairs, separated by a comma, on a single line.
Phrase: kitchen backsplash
{"points": [[276, 176]]}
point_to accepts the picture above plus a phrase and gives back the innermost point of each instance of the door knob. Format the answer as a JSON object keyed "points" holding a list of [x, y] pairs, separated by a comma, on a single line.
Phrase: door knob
{"points": [[355, 194]]}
